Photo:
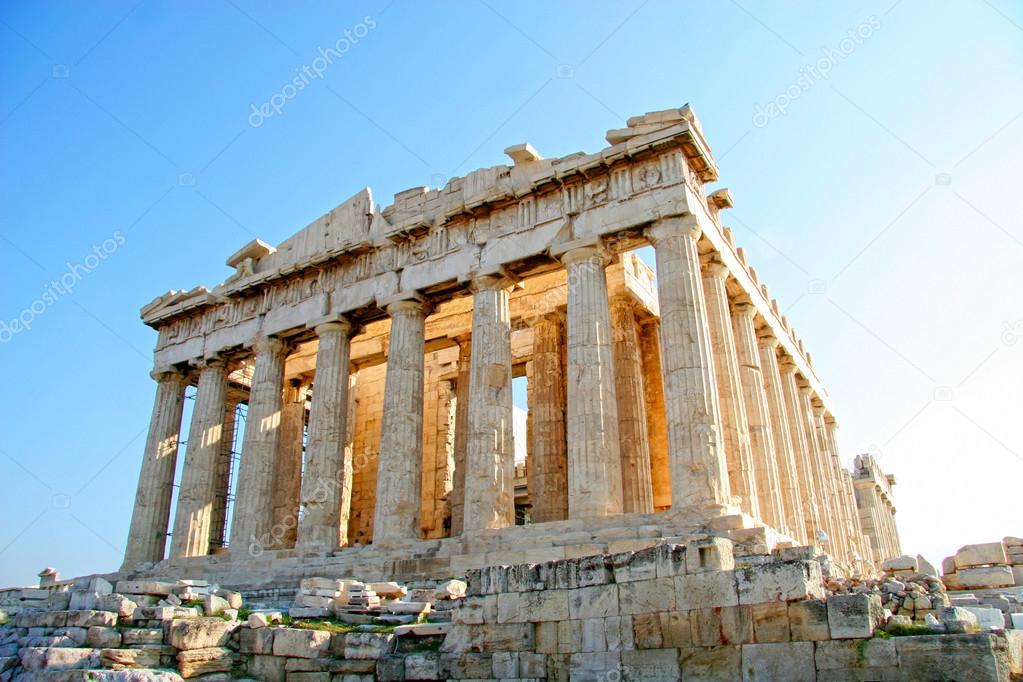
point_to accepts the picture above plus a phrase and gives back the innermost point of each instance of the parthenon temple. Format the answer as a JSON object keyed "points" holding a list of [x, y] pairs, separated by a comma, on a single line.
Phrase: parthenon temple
{"points": [[351, 391]]}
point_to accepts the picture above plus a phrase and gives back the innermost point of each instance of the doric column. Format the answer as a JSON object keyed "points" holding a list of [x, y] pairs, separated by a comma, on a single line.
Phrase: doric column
{"points": [[287, 478], [758, 417], [832, 468], [801, 449], [253, 504], [785, 454], [548, 485], [147, 537], [490, 455], [461, 431], [818, 470], [323, 482], [222, 475], [656, 426], [741, 474], [637, 489], [594, 456], [400, 463], [195, 496], [699, 472]]}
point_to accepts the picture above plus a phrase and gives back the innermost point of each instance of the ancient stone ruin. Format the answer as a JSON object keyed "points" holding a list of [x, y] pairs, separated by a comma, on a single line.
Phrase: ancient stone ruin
{"points": [[351, 509]]}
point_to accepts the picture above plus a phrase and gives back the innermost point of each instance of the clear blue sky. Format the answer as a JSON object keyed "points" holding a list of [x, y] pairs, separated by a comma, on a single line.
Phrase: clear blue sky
{"points": [[882, 207]]}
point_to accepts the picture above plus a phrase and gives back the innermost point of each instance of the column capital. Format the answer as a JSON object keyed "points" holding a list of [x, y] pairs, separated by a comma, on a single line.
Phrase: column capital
{"points": [[786, 364], [593, 252], [272, 345], [212, 362], [744, 309], [673, 227], [483, 281], [715, 268], [338, 326], [167, 374], [415, 305], [767, 339]]}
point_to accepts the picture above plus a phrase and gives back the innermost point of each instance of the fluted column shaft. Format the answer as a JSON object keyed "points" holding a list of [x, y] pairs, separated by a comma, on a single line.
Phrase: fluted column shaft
{"points": [[222, 476], [400, 463], [195, 496], [825, 508], [287, 478], [741, 473], [548, 485], [253, 507], [699, 472], [594, 454], [490, 456], [758, 418], [147, 537], [801, 449], [323, 482], [785, 454], [832, 469], [656, 426], [461, 432], [637, 489]]}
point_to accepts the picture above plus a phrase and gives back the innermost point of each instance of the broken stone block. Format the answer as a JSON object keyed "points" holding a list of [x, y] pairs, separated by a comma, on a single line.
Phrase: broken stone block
{"points": [[195, 662], [710, 554], [959, 620], [969, 556], [85, 619], [256, 641], [129, 658], [142, 636], [366, 645], [267, 668], [854, 615], [790, 661], [388, 590], [948, 565], [62, 658], [154, 587], [412, 607], [297, 643], [100, 637], [808, 620], [308, 612], [987, 619], [199, 633], [900, 563], [847, 655], [213, 605], [770, 622], [985, 576], [450, 589], [782, 581], [116, 603]]}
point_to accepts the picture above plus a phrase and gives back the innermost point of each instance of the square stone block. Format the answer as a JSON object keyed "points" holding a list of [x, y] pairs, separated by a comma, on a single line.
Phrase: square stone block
{"points": [[854, 615], [594, 666], [985, 577], [618, 630], [782, 581], [646, 630], [770, 622], [808, 620], [710, 554], [597, 601], [296, 643], [703, 590], [790, 661], [676, 628], [980, 555], [852, 655], [644, 596], [650, 664], [711, 664]]}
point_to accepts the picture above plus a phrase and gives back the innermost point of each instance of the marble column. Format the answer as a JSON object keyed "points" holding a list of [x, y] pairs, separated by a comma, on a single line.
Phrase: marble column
{"points": [[758, 418], [831, 471], [656, 426], [818, 469], [801, 449], [637, 488], [699, 472], [741, 474], [287, 478], [400, 463], [461, 432], [253, 505], [594, 455], [195, 496], [326, 473], [548, 485], [222, 476], [147, 537], [781, 434], [490, 455]]}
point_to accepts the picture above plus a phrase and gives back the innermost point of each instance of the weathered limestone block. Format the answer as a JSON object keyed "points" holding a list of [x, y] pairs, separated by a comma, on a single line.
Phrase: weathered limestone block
{"points": [[41, 619], [657, 594], [846, 655], [703, 590], [425, 666], [650, 664], [985, 576], [258, 641], [490, 638], [526, 607], [100, 637], [709, 554], [195, 662], [469, 666], [450, 589], [213, 605], [900, 563], [770, 622], [978, 658], [267, 668], [790, 661], [854, 615], [958, 620], [130, 658], [61, 658], [714, 664], [366, 645], [598, 601], [116, 603], [980, 555], [154, 587], [297, 643], [200, 633], [142, 636], [786, 581], [594, 666], [85, 619], [808, 620]]}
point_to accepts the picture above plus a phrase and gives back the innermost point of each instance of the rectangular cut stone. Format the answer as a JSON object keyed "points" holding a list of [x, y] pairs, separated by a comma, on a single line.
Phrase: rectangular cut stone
{"points": [[197, 662], [297, 643], [646, 630], [808, 620], [985, 576], [978, 658], [676, 628], [200, 633], [598, 601], [854, 615], [710, 554], [701, 590], [643, 596], [156, 587], [789, 661], [650, 664], [594, 666], [847, 655], [786, 581], [366, 645], [711, 664], [771, 622], [980, 555]]}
